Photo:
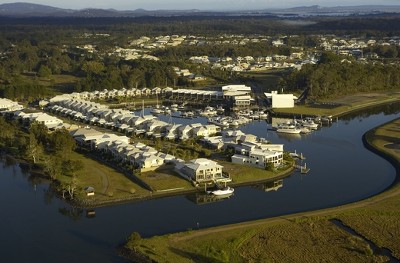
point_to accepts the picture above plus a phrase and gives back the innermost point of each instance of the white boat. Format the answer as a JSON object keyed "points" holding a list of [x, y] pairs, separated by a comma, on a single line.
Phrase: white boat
{"points": [[224, 191], [309, 123], [167, 111], [263, 115], [288, 129], [174, 106], [187, 114], [234, 124], [222, 122], [156, 111], [326, 119]]}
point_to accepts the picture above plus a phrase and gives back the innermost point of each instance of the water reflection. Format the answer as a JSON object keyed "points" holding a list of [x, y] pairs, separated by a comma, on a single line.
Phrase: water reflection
{"points": [[289, 136], [90, 213], [388, 109], [204, 198], [73, 213], [270, 186]]}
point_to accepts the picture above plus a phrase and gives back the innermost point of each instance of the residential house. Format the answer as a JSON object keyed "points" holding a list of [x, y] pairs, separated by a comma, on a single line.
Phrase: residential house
{"points": [[201, 170]]}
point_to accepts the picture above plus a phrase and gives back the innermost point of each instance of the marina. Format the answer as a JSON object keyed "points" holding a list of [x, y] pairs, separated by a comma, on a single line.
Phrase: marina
{"points": [[59, 232]]}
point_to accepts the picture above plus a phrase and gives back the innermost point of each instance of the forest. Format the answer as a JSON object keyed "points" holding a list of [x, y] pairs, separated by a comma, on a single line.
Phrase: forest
{"points": [[335, 76], [35, 52]]}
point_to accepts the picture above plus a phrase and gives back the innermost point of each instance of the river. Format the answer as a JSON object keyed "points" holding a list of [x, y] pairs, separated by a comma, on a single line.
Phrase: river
{"points": [[36, 226]]}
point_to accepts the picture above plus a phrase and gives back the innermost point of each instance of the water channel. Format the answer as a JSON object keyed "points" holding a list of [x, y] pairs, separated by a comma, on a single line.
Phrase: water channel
{"points": [[36, 226]]}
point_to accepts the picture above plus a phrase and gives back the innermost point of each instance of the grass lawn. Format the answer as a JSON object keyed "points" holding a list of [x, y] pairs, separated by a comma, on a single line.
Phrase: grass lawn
{"points": [[344, 104], [243, 174], [108, 183], [165, 179]]}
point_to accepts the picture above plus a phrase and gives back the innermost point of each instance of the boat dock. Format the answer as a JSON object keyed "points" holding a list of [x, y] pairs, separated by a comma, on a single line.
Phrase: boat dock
{"points": [[303, 168], [297, 156]]}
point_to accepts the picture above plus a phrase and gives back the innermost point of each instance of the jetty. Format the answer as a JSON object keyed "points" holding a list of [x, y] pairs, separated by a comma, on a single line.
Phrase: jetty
{"points": [[303, 168], [297, 156]]}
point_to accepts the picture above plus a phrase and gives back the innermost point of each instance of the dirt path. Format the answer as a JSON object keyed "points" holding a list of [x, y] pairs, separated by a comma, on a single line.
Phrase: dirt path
{"points": [[104, 180]]}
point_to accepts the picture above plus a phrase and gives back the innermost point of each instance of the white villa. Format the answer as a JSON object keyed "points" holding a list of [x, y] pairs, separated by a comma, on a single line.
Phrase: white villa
{"points": [[258, 157], [201, 170]]}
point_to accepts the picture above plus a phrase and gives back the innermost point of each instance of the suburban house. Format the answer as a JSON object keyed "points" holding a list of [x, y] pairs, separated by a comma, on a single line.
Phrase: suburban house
{"points": [[258, 158], [28, 118], [201, 170], [85, 136]]}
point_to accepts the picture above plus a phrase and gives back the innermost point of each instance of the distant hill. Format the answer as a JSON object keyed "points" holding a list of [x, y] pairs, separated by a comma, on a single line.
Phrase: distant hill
{"points": [[35, 10], [27, 9]]}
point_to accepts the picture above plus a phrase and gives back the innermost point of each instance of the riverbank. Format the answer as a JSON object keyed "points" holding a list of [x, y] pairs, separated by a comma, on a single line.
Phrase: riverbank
{"points": [[303, 237], [241, 176], [341, 106]]}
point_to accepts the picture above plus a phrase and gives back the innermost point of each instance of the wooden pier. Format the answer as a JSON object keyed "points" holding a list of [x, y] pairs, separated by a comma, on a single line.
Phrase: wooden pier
{"points": [[303, 168]]}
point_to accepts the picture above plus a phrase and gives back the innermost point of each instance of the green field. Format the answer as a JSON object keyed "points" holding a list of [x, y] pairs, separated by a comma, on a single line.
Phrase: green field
{"points": [[108, 183]]}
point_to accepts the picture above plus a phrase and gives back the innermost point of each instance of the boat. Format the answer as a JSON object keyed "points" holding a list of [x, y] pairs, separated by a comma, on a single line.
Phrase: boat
{"points": [[187, 114], [262, 115], [167, 111], [326, 119], [224, 191], [174, 107], [222, 122], [309, 123], [288, 129], [156, 111]]}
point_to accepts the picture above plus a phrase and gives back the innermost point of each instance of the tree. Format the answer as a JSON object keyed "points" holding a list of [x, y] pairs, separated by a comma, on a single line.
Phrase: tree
{"points": [[134, 240], [72, 167], [269, 167], [327, 57], [93, 68], [70, 187], [34, 149], [62, 143], [40, 132], [44, 71], [53, 166]]}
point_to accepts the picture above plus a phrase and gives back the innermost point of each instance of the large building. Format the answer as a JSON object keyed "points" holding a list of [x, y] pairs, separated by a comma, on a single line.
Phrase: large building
{"points": [[281, 100]]}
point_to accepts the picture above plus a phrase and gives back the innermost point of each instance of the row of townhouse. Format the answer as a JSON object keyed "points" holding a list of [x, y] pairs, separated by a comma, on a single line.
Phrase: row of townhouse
{"points": [[219, 96], [51, 122], [110, 94], [9, 105], [230, 95], [127, 122], [136, 154], [248, 148]]}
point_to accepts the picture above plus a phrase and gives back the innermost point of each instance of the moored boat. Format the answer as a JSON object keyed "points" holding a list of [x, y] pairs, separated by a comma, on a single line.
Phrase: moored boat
{"points": [[288, 129], [224, 191]]}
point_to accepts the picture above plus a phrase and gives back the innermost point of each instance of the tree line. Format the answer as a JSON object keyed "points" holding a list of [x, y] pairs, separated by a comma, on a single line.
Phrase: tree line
{"points": [[51, 152], [37, 49], [337, 76]]}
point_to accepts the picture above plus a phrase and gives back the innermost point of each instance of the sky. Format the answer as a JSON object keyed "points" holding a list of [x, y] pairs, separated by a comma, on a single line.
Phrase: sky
{"points": [[200, 4]]}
